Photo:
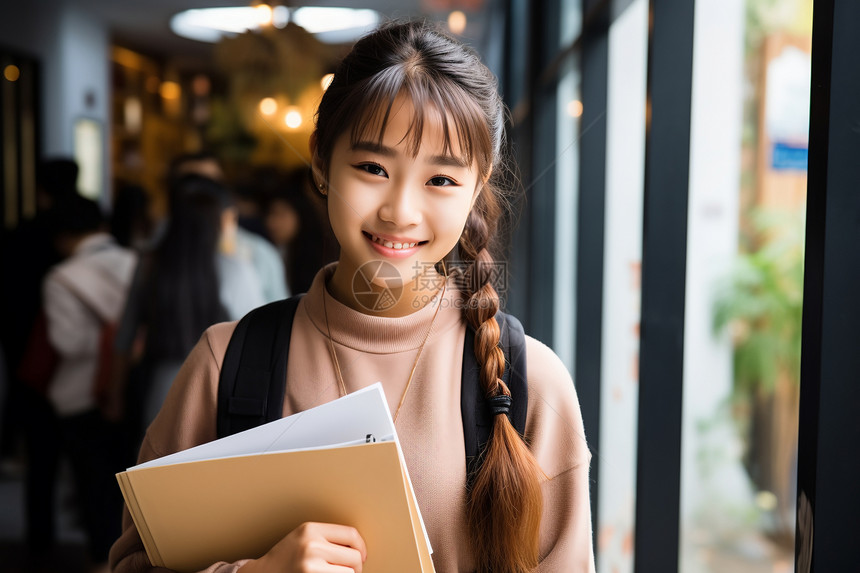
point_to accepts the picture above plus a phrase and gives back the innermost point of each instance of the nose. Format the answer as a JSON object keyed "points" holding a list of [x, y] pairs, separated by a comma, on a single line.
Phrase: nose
{"points": [[401, 206]]}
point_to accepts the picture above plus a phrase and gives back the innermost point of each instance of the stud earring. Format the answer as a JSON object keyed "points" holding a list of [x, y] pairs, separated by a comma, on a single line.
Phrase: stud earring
{"points": [[322, 188]]}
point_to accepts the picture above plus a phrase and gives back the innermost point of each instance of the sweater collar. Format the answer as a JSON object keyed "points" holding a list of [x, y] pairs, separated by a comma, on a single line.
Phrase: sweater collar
{"points": [[377, 334]]}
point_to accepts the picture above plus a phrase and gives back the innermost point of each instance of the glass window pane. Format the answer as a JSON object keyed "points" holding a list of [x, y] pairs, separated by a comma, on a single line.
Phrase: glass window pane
{"points": [[571, 21], [625, 175], [744, 284], [568, 113], [567, 185]]}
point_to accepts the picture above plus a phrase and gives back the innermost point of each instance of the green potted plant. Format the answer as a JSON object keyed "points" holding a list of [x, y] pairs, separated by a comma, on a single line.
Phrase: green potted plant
{"points": [[761, 303]]}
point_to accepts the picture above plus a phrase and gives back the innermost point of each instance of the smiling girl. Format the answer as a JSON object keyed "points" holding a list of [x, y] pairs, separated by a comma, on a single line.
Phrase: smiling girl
{"points": [[408, 151]]}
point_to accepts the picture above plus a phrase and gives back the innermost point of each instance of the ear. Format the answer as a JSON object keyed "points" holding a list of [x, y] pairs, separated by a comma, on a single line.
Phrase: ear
{"points": [[316, 162], [480, 187]]}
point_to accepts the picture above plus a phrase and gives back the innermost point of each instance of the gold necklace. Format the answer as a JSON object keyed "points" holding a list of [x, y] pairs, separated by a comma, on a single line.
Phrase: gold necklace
{"points": [[414, 364]]}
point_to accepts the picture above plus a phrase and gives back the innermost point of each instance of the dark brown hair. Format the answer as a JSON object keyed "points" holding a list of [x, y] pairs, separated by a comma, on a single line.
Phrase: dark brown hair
{"points": [[438, 73]]}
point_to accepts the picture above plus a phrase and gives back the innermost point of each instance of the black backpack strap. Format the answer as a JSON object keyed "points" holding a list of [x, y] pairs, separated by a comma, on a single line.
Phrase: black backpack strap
{"points": [[477, 418], [254, 371]]}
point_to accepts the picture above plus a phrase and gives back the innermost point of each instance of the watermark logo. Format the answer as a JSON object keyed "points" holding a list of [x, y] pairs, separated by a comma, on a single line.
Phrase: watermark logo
{"points": [[425, 276], [377, 285]]}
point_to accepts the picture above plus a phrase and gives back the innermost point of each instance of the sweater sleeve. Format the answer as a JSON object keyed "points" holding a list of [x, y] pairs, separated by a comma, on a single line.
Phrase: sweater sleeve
{"points": [[187, 419], [556, 436]]}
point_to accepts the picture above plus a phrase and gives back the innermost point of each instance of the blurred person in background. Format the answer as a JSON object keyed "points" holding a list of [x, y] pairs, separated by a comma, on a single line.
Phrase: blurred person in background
{"points": [[251, 202], [130, 222], [82, 295], [299, 229], [190, 281], [243, 244], [26, 254]]}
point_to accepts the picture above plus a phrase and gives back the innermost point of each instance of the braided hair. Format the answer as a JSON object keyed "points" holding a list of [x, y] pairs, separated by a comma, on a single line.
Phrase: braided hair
{"points": [[435, 71]]}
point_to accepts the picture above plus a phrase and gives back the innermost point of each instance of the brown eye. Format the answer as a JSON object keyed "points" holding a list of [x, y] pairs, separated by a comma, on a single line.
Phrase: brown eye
{"points": [[440, 181], [373, 169]]}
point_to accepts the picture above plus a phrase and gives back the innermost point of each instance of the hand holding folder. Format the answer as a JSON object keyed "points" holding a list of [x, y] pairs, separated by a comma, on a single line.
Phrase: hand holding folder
{"points": [[236, 497]]}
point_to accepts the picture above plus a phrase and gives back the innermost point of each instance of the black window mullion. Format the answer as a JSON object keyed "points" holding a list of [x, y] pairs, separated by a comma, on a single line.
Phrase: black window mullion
{"points": [[664, 253], [540, 183], [828, 465], [590, 242]]}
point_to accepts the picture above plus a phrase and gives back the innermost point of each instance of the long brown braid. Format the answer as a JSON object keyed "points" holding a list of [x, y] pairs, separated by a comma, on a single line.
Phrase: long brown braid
{"points": [[505, 500]]}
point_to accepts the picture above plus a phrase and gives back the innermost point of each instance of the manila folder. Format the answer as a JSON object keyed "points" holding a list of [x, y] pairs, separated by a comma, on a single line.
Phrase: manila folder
{"points": [[193, 514]]}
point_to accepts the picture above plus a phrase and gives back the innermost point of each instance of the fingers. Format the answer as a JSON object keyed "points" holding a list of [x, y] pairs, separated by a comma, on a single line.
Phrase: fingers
{"points": [[341, 535], [332, 558], [323, 548]]}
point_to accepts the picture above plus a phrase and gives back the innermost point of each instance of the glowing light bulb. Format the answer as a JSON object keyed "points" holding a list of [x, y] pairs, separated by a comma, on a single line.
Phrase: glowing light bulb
{"points": [[280, 17], [293, 119], [268, 106], [574, 108], [457, 22], [12, 73], [170, 90], [326, 80], [264, 14]]}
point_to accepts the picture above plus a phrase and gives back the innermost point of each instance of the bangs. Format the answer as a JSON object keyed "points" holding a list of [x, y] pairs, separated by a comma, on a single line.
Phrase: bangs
{"points": [[461, 120]]}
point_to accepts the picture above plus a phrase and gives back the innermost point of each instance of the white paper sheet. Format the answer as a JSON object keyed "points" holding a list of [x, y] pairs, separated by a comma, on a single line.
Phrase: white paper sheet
{"points": [[348, 419]]}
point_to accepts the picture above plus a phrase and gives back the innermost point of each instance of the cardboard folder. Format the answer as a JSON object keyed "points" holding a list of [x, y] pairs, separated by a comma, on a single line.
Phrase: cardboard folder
{"points": [[211, 504]]}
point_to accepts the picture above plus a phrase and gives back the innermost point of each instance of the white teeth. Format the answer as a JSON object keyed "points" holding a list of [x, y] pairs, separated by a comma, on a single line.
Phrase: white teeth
{"points": [[391, 244]]}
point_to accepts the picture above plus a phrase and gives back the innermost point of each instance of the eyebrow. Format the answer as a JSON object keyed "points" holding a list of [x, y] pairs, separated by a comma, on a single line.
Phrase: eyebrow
{"points": [[384, 150]]}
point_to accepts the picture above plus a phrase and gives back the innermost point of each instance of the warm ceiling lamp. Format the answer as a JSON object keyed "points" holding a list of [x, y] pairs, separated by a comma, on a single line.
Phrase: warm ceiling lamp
{"points": [[293, 118], [264, 14], [268, 106], [170, 90], [11, 72], [326, 81], [457, 22], [331, 25]]}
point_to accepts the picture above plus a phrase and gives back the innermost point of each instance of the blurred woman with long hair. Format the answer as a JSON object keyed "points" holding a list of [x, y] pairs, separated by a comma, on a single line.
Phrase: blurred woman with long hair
{"points": [[185, 285]]}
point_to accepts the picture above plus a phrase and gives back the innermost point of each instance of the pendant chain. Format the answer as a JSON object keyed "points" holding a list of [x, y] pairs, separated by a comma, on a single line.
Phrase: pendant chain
{"points": [[414, 364]]}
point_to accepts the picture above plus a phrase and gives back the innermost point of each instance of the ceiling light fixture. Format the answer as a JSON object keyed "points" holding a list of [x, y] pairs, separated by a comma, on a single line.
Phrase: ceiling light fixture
{"points": [[264, 14], [293, 118], [11, 73], [280, 16], [330, 25], [457, 22], [268, 106]]}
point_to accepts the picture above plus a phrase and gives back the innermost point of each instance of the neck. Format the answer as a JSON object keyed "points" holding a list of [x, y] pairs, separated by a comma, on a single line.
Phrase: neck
{"points": [[409, 296]]}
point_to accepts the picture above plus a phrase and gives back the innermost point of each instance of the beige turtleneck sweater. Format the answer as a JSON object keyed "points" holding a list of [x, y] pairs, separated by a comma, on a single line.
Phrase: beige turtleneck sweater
{"points": [[429, 425]]}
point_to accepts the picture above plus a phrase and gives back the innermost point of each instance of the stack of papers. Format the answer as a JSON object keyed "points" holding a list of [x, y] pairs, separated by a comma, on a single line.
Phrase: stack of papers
{"points": [[236, 497]]}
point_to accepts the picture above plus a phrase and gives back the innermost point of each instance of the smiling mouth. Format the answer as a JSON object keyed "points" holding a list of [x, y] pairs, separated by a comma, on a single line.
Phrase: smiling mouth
{"points": [[391, 244]]}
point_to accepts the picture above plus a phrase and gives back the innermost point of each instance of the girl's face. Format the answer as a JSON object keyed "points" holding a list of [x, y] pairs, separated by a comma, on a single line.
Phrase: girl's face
{"points": [[386, 205], [282, 222]]}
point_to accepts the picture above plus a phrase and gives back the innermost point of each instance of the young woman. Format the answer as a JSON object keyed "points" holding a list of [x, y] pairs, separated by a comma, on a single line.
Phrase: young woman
{"points": [[408, 151], [184, 286]]}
